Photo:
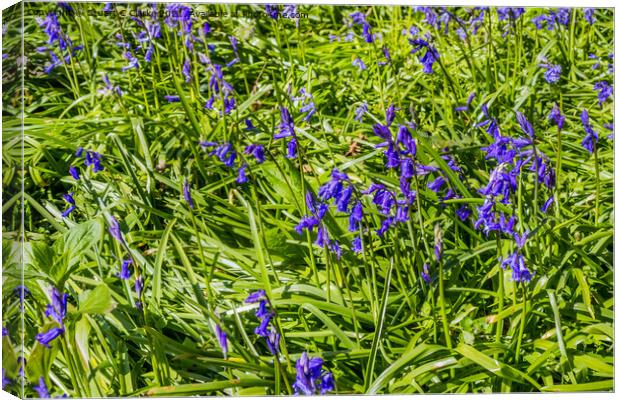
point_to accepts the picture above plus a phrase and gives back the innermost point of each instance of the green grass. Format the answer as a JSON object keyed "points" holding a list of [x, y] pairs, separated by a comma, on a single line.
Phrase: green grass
{"points": [[377, 325]]}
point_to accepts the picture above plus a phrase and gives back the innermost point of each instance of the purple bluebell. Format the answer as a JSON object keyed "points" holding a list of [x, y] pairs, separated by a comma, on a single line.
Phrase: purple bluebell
{"points": [[249, 125], [504, 13], [74, 173], [108, 7], [133, 61], [79, 151], [272, 11], [552, 73], [5, 381], [46, 337], [273, 342], [359, 63], [555, 116], [241, 176], [358, 17], [125, 271], [69, 199], [356, 245], [256, 296], [291, 149], [516, 261], [287, 125], [430, 56], [470, 98], [526, 127], [187, 70], [591, 137], [436, 184], [356, 216], [93, 158], [492, 127], [256, 150], [360, 111], [222, 339], [115, 230], [589, 15], [5, 331], [310, 377], [41, 389], [547, 204], [171, 98], [109, 87], [426, 274], [187, 193], [604, 91]]}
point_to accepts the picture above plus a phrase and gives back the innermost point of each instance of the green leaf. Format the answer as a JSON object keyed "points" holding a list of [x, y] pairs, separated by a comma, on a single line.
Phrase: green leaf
{"points": [[97, 301]]}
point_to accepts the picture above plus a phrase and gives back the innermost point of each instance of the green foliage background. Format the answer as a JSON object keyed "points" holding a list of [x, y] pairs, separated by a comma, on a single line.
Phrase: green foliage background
{"points": [[373, 320]]}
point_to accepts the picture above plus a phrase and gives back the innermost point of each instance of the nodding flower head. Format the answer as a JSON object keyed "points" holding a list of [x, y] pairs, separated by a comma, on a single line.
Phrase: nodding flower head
{"points": [[115, 230], [222, 339], [556, 117], [187, 193], [125, 271], [310, 377]]}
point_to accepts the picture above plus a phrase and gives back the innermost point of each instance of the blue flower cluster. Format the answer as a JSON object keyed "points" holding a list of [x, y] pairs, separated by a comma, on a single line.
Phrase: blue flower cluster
{"points": [[57, 311], [265, 329], [311, 379]]}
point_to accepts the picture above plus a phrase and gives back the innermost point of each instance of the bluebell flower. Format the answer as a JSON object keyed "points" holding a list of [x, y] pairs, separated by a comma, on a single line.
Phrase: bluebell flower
{"points": [[604, 91], [360, 111], [516, 261], [69, 199], [115, 230], [490, 123], [133, 61], [79, 151], [310, 377], [256, 296], [438, 250], [109, 87], [470, 98], [357, 213], [291, 149], [108, 7], [504, 13], [430, 56], [436, 185], [287, 125], [369, 37], [171, 98], [272, 11], [5, 331], [591, 136], [41, 389], [5, 381], [222, 339], [241, 176], [249, 125], [555, 116], [257, 151], [426, 274], [552, 73], [358, 17], [187, 193], [359, 63], [187, 70], [386, 224], [46, 337], [93, 158], [589, 15], [526, 127], [74, 173], [125, 271], [138, 286], [356, 245], [273, 342]]}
